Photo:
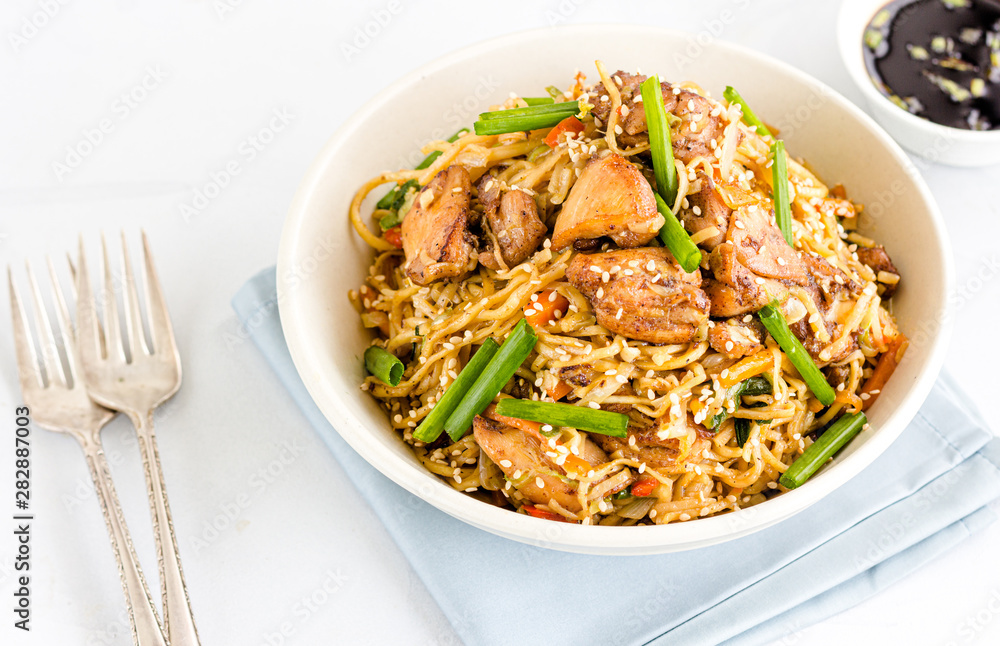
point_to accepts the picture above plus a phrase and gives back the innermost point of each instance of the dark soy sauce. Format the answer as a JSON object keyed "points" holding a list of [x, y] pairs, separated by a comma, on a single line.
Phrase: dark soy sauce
{"points": [[939, 59]]}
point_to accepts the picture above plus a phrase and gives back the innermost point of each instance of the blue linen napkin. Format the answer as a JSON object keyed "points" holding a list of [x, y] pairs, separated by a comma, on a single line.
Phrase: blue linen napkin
{"points": [[926, 493]]}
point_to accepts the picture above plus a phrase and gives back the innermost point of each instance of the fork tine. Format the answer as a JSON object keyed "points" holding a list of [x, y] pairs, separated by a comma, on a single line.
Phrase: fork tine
{"points": [[50, 353], [133, 319], [65, 324], [161, 332], [112, 324], [88, 332], [27, 360]]}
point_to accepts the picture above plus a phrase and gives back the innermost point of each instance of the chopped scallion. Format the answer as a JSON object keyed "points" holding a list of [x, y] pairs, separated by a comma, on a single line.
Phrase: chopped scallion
{"points": [[677, 239], [832, 440], [660, 145], [383, 365], [432, 425], [539, 100], [534, 117], [775, 323], [512, 353], [603, 422], [782, 206]]}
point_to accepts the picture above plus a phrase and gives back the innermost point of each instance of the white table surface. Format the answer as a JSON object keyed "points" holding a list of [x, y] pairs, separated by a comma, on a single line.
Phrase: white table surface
{"points": [[205, 77]]}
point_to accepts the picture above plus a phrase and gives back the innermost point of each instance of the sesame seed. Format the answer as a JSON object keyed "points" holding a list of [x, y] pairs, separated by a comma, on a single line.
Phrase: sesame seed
{"points": [[642, 467], [593, 405], [684, 517], [729, 346], [618, 315], [759, 281], [631, 440], [605, 277], [600, 292], [627, 272]]}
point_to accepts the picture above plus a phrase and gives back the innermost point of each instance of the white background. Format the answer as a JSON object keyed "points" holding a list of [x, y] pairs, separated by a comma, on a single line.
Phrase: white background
{"points": [[204, 77]]}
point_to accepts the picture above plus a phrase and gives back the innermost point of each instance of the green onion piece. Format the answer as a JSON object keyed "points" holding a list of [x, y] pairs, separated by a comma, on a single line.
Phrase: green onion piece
{"points": [[566, 108], [775, 323], [779, 176], [743, 427], [832, 440], [432, 425], [384, 365], [492, 379], [539, 100], [553, 91], [603, 422], [660, 146], [677, 239], [429, 159], [749, 117]]}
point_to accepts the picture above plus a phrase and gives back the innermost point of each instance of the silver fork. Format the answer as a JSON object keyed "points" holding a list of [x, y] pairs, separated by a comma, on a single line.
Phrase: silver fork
{"points": [[136, 386], [62, 405]]}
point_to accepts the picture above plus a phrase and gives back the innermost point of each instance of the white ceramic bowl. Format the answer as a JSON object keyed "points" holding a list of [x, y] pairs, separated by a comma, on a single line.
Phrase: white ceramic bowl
{"points": [[321, 257], [930, 140]]}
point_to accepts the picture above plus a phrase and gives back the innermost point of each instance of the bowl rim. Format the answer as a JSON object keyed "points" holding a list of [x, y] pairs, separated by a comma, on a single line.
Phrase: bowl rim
{"points": [[580, 538], [852, 19]]}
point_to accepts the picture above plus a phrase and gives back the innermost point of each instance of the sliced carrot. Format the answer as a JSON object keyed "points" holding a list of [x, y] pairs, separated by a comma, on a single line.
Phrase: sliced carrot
{"points": [[394, 236], [746, 368], [544, 514], [560, 390], [573, 465], [883, 369], [569, 124], [549, 306], [644, 486]]}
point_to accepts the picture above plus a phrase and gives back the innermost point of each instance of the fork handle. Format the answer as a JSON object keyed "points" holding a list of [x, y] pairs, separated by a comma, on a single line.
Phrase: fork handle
{"points": [[178, 620], [142, 614]]}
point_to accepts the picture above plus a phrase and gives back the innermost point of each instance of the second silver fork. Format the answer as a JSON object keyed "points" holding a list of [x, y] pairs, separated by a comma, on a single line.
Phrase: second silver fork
{"points": [[135, 384]]}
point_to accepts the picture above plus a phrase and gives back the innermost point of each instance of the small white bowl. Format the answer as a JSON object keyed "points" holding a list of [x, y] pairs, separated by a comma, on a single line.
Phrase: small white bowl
{"points": [[321, 257], [932, 141]]}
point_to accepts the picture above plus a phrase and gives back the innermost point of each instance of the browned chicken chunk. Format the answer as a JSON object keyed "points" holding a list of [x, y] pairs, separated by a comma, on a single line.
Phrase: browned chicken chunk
{"points": [[649, 447], [435, 232], [736, 337], [647, 296], [526, 465], [512, 219], [611, 198], [690, 137], [877, 258]]}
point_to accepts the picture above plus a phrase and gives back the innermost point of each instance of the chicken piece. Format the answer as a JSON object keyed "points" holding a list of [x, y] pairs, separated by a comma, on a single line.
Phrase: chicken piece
{"points": [[735, 290], [707, 209], [512, 218], [834, 294], [526, 465], [435, 232], [658, 446], [760, 247], [877, 258], [691, 137], [611, 198], [737, 337], [648, 296]]}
